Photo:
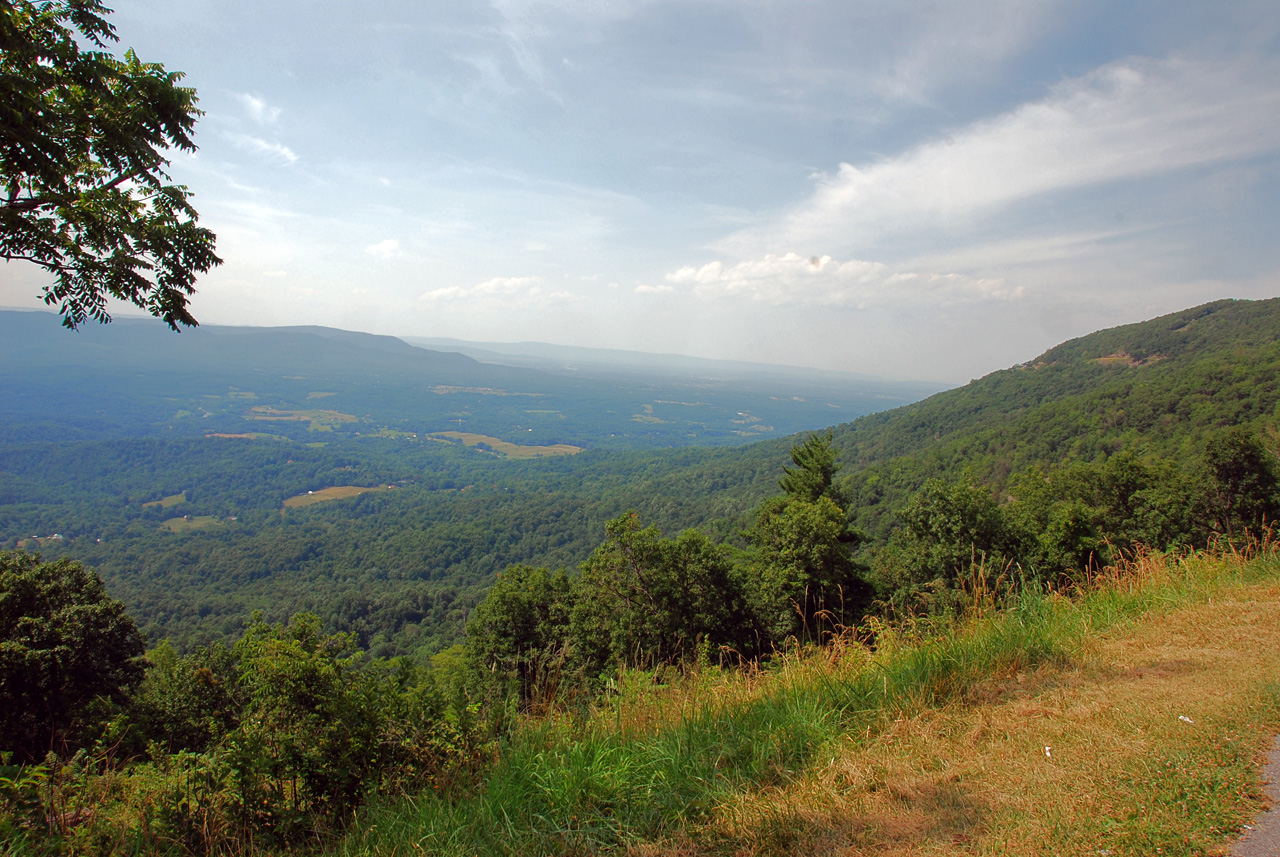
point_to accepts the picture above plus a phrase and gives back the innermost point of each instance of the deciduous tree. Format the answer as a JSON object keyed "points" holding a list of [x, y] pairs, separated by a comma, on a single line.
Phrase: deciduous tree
{"points": [[66, 648], [84, 143]]}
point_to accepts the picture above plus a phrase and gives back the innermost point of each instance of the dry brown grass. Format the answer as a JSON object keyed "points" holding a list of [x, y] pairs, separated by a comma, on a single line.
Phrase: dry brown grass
{"points": [[1060, 761]]}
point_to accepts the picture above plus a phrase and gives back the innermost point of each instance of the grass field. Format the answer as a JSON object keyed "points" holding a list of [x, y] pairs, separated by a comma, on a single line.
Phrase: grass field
{"points": [[189, 522], [167, 502], [337, 492], [320, 420], [502, 447], [249, 435], [1127, 721]]}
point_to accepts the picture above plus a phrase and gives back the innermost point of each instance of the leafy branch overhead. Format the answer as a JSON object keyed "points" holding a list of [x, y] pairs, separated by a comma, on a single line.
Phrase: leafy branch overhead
{"points": [[84, 144]]}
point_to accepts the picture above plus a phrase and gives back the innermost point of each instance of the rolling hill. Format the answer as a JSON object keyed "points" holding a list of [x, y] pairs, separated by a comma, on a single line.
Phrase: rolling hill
{"points": [[93, 459]]}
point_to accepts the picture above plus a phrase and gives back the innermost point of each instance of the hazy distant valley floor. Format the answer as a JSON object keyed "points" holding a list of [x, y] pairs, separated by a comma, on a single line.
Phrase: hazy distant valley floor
{"points": [[220, 471]]}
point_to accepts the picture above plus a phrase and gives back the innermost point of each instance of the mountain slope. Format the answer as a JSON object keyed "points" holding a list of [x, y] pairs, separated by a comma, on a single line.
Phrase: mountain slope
{"points": [[1155, 387]]}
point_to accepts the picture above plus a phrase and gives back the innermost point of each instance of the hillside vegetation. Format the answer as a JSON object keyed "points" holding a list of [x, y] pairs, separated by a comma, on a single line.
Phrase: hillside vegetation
{"points": [[1128, 721], [667, 688], [402, 569], [1156, 388]]}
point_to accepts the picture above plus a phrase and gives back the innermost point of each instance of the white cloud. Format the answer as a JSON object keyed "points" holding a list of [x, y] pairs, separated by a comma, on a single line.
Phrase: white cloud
{"points": [[507, 285], [791, 280], [447, 293], [1125, 120], [387, 249], [656, 290], [259, 111], [258, 146], [508, 291]]}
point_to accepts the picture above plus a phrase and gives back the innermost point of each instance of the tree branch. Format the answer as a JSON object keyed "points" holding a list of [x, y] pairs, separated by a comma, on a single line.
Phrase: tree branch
{"points": [[37, 202]]}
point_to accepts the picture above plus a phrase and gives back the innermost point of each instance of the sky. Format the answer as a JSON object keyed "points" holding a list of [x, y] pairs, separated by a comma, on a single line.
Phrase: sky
{"points": [[926, 190]]}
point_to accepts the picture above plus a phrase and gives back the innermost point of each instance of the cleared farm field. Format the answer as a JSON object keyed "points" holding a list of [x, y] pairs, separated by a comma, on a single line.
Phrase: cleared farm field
{"points": [[337, 492], [167, 502], [189, 522], [502, 447], [319, 419], [250, 435]]}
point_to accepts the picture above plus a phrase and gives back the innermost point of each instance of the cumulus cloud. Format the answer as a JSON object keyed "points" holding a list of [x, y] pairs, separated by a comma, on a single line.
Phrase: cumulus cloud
{"points": [[643, 289], [259, 111], [444, 294], [791, 279], [507, 285], [511, 291], [1129, 119], [387, 249], [258, 146]]}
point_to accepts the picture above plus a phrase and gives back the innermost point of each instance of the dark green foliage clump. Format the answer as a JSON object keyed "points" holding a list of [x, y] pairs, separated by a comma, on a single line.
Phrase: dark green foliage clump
{"points": [[274, 741], [69, 654], [644, 601], [1242, 482]]}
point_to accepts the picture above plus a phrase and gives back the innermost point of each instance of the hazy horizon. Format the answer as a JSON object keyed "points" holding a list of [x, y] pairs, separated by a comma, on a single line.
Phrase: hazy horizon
{"points": [[894, 190]]}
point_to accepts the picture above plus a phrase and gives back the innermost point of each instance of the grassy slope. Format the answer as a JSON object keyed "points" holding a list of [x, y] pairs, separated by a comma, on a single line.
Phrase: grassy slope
{"points": [[933, 746]]}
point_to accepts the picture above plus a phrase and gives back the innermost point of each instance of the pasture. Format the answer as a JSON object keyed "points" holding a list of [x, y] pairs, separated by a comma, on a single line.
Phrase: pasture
{"points": [[505, 448], [337, 492], [187, 523]]}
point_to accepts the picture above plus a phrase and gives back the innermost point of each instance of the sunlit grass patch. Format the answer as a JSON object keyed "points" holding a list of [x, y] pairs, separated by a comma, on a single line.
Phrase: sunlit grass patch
{"points": [[167, 502], [337, 492], [251, 435], [502, 447], [187, 523], [313, 416]]}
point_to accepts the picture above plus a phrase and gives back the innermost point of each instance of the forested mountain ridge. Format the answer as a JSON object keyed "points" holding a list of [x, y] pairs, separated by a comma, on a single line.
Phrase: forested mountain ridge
{"points": [[1155, 387], [403, 567], [133, 379]]}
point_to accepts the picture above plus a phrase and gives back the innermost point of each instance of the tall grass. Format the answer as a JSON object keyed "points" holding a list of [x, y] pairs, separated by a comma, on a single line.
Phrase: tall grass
{"points": [[656, 762]]}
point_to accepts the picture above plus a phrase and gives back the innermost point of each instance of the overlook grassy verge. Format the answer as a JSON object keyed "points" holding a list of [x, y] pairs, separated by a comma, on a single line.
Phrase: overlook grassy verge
{"points": [[1051, 725]]}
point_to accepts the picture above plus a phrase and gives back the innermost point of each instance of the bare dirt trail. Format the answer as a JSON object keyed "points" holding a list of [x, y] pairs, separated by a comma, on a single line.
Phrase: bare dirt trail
{"points": [[1263, 839]]}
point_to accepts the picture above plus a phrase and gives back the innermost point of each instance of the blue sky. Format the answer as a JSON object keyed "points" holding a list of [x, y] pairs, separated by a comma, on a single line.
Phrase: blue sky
{"points": [[928, 190]]}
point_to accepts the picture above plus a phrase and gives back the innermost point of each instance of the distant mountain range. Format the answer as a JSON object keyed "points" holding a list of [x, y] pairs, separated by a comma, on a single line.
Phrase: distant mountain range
{"points": [[134, 377]]}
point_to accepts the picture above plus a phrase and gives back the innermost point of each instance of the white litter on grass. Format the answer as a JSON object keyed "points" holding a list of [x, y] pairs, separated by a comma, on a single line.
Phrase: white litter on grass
{"points": [[1185, 719], [1048, 752]]}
